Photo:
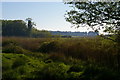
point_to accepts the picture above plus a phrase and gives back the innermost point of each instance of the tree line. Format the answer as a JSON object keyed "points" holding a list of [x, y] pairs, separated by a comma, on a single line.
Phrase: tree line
{"points": [[20, 28]]}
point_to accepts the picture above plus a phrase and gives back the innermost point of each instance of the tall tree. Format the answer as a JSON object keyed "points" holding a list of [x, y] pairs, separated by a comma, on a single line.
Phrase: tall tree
{"points": [[14, 28], [30, 25]]}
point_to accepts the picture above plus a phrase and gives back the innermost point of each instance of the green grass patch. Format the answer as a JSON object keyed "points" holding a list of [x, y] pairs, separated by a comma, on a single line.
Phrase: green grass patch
{"points": [[29, 67]]}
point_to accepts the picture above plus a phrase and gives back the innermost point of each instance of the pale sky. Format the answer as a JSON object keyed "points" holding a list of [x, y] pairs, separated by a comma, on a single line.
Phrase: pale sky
{"points": [[46, 15]]}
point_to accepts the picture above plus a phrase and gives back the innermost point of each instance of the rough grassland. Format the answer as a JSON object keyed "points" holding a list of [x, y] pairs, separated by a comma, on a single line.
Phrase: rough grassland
{"points": [[59, 59], [43, 67]]}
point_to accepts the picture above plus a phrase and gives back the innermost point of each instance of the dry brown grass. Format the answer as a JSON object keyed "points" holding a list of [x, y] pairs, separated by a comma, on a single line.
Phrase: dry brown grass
{"points": [[96, 49]]}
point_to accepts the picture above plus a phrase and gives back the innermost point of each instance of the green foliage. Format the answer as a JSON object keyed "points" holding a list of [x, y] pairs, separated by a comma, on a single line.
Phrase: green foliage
{"points": [[9, 42], [55, 71], [95, 13], [14, 28], [14, 49], [14, 66], [76, 68], [68, 59], [75, 75], [37, 33], [94, 72], [56, 57], [20, 29], [96, 50], [19, 62], [23, 67], [48, 47]]}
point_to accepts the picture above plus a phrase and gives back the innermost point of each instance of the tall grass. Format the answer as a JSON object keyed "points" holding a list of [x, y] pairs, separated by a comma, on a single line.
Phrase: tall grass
{"points": [[92, 50]]}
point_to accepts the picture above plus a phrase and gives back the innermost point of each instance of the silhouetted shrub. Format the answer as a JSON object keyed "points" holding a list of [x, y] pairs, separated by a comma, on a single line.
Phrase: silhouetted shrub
{"points": [[75, 68], [48, 47]]}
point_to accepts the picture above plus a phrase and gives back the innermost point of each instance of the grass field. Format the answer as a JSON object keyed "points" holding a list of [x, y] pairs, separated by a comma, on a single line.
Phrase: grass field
{"points": [[59, 59]]}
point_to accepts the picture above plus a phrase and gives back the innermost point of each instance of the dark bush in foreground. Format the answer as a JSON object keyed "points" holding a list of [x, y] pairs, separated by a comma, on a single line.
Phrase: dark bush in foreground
{"points": [[48, 47]]}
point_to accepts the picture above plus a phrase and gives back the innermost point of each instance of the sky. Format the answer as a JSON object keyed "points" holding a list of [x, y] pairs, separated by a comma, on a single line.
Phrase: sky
{"points": [[46, 15]]}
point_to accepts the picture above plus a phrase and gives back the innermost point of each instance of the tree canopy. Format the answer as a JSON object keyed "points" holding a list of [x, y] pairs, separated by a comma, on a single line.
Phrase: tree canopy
{"points": [[14, 28], [98, 15], [20, 28]]}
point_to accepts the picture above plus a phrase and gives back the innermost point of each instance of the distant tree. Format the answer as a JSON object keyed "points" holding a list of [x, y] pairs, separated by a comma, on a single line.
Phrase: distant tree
{"points": [[30, 25], [14, 28], [43, 34], [19, 28]]}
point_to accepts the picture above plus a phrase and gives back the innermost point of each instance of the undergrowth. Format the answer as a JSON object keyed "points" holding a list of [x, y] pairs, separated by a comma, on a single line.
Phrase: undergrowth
{"points": [[59, 59]]}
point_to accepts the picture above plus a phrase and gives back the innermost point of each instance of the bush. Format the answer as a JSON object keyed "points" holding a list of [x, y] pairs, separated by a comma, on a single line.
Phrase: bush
{"points": [[13, 49], [48, 47], [55, 71], [75, 68], [19, 62], [75, 75], [11, 75], [14, 66]]}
